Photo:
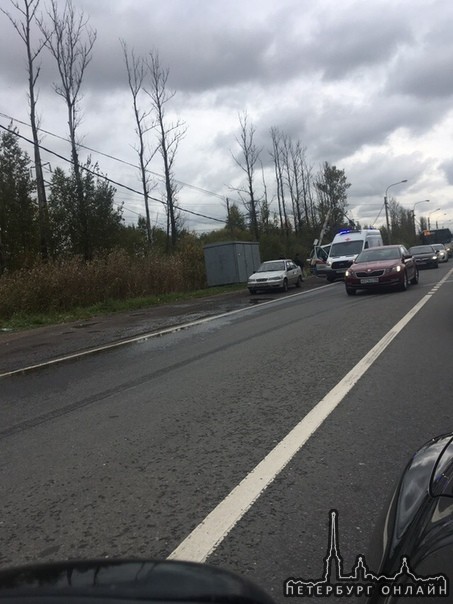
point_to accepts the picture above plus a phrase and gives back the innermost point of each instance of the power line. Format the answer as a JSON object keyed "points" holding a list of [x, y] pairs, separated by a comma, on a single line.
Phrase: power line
{"points": [[377, 217], [114, 182], [122, 161]]}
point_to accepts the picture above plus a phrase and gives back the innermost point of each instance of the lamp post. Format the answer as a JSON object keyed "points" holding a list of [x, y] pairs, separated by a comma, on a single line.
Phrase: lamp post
{"points": [[413, 212], [429, 216], [386, 205]]}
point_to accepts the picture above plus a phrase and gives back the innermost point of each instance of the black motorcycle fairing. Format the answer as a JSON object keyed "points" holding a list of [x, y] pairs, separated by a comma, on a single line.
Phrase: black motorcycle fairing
{"points": [[418, 523]]}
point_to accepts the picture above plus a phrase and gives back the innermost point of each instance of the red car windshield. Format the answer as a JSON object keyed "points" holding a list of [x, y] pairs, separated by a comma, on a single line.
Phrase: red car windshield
{"points": [[379, 253]]}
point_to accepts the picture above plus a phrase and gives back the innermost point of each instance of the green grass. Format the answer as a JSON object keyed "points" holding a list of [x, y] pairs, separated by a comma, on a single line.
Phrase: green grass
{"points": [[21, 321]]}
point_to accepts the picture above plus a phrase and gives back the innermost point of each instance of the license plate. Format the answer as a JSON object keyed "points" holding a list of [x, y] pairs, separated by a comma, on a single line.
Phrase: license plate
{"points": [[369, 280]]}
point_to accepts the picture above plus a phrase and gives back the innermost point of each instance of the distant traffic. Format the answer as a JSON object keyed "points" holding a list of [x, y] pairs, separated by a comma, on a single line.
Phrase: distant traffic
{"points": [[361, 260]]}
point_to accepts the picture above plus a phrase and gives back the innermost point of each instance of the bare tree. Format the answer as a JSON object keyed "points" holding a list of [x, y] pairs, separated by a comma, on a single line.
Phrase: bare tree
{"points": [[169, 135], [278, 159], [247, 161], [293, 159], [71, 42], [265, 212], [307, 192], [28, 9], [137, 71]]}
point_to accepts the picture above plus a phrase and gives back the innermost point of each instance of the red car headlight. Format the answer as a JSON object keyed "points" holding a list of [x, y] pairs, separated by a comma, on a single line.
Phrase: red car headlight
{"points": [[395, 269]]}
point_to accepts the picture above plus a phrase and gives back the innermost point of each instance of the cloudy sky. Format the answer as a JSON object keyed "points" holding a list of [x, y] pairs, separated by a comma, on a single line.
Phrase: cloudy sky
{"points": [[366, 85]]}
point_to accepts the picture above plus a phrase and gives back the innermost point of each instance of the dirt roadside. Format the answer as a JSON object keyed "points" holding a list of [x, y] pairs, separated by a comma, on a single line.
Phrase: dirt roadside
{"points": [[30, 347]]}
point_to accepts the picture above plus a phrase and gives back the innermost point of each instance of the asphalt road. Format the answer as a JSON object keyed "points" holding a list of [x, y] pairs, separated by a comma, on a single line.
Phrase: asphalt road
{"points": [[126, 452]]}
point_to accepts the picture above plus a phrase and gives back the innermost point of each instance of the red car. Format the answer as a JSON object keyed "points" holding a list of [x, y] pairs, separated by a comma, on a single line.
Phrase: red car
{"points": [[381, 267]]}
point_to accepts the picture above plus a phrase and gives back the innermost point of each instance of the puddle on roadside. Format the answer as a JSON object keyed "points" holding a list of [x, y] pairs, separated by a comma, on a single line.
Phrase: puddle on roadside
{"points": [[82, 325], [258, 300]]}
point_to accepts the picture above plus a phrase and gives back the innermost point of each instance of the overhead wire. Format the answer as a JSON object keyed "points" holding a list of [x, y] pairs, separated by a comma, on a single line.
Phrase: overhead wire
{"points": [[122, 161], [108, 179], [377, 217]]}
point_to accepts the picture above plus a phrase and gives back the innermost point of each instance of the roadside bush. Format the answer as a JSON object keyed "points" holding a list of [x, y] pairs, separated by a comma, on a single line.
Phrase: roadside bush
{"points": [[66, 284]]}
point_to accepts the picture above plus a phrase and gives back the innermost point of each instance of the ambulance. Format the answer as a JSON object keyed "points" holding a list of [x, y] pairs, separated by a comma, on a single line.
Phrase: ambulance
{"points": [[345, 247]]}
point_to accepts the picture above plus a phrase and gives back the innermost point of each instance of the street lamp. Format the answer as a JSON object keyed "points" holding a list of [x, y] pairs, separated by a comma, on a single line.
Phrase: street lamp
{"points": [[429, 215], [387, 206], [413, 211]]}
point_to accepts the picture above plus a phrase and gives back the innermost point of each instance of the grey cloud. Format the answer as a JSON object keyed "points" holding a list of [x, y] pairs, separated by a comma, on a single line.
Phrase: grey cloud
{"points": [[447, 168], [339, 127], [204, 49], [426, 75], [425, 70], [361, 36], [373, 175], [340, 78]]}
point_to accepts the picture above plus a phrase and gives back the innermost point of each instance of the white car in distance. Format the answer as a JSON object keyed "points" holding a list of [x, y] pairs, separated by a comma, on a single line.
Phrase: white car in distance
{"points": [[275, 274], [441, 251]]}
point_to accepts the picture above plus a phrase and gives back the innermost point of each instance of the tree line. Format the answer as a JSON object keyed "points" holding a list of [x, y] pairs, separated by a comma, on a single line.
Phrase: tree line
{"points": [[75, 212]]}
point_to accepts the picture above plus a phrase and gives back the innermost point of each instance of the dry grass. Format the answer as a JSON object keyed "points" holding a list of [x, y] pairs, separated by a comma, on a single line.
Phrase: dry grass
{"points": [[64, 285]]}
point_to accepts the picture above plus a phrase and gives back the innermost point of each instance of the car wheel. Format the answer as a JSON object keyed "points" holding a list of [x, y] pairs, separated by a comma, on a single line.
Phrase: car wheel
{"points": [[350, 291], [330, 279], [414, 279], [299, 282], [405, 283], [252, 291], [285, 285]]}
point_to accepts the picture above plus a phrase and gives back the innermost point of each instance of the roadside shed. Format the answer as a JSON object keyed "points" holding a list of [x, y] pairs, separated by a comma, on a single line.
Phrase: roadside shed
{"points": [[230, 262]]}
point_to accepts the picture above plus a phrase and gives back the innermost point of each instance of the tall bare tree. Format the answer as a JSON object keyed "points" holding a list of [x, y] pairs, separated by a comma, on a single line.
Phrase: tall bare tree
{"points": [[307, 192], [137, 72], [293, 160], [71, 41], [24, 26], [247, 161], [169, 135], [275, 154]]}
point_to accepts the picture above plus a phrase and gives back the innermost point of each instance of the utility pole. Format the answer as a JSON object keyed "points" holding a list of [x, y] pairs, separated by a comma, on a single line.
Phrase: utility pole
{"points": [[386, 205], [228, 215], [317, 242]]}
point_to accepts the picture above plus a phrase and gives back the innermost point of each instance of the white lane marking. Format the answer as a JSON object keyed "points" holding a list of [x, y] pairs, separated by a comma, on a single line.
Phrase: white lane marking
{"points": [[147, 336], [445, 278], [205, 538]]}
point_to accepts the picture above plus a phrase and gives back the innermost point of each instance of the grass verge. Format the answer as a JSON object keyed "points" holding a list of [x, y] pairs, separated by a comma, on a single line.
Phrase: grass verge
{"points": [[20, 321]]}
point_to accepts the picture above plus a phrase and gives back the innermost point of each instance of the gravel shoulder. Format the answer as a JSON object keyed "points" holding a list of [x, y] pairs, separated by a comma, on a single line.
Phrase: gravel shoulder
{"points": [[30, 347]]}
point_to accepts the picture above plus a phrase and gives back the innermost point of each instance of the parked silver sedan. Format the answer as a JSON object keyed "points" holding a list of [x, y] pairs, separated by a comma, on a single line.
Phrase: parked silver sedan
{"points": [[275, 274], [441, 251]]}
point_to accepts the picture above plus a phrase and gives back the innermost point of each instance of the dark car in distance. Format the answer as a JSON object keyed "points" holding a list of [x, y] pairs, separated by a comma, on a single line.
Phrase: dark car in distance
{"points": [[425, 256], [389, 266]]}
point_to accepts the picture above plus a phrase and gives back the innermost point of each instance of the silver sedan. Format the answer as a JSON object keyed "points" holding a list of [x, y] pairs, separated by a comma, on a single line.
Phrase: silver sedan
{"points": [[275, 274], [441, 251]]}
